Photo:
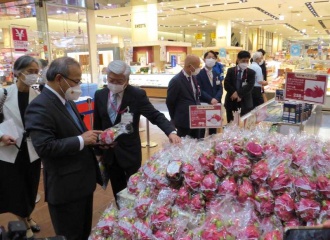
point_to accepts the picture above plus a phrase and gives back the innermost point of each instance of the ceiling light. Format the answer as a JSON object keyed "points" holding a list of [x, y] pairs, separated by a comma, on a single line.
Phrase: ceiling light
{"points": [[194, 19], [290, 7], [281, 17], [303, 30], [28, 6], [109, 4], [304, 20], [197, 6]]}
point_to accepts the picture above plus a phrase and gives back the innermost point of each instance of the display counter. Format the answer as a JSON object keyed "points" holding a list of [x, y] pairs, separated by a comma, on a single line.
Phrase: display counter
{"points": [[155, 85], [270, 115]]}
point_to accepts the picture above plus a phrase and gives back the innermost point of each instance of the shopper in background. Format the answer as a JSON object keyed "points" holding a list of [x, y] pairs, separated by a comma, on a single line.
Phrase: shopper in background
{"points": [[259, 82], [19, 163], [62, 141], [210, 84], [239, 83], [43, 79], [112, 104], [182, 92], [264, 72]]}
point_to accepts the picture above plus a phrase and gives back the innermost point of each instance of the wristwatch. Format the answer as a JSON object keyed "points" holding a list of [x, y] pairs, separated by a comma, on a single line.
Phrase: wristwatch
{"points": [[174, 132]]}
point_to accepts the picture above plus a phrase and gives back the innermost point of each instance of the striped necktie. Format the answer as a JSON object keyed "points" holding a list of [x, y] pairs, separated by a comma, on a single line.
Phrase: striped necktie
{"points": [[113, 108]]}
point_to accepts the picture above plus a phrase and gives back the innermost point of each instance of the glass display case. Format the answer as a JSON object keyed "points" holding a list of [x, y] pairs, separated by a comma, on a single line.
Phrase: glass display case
{"points": [[155, 85]]}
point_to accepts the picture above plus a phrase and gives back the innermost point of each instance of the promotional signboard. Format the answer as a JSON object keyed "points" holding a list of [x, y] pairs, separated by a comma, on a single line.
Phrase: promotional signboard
{"points": [[306, 87], [205, 116], [20, 39]]}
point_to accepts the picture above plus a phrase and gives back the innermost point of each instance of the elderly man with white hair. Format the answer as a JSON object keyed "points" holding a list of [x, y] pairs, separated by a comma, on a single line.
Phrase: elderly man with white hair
{"points": [[257, 58], [121, 100]]}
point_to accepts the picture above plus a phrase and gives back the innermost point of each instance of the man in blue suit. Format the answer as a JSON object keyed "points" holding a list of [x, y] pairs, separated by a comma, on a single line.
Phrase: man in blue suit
{"points": [[210, 83]]}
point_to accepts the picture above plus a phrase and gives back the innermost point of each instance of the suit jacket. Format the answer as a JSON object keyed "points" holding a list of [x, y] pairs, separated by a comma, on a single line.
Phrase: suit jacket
{"points": [[11, 111], [245, 92], [207, 90], [264, 70], [127, 152], [69, 173], [179, 98]]}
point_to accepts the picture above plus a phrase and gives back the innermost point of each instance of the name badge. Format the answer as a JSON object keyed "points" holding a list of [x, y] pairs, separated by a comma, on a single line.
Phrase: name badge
{"points": [[244, 83], [217, 82], [127, 118]]}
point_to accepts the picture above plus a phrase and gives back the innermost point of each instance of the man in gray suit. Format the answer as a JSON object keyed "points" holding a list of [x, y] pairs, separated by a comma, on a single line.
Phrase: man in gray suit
{"points": [[65, 146]]}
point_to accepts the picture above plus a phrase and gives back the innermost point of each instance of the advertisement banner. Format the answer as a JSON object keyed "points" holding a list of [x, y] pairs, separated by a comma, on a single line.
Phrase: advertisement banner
{"points": [[222, 52], [306, 87], [205, 116], [20, 39], [295, 50]]}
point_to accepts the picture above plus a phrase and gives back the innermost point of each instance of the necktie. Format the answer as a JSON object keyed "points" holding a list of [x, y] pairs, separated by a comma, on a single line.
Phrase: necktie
{"points": [[239, 80], [210, 75], [73, 115], [113, 108], [191, 86]]}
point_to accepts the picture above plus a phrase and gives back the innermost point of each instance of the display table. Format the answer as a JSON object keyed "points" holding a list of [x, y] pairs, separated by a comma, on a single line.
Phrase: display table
{"points": [[270, 114]]}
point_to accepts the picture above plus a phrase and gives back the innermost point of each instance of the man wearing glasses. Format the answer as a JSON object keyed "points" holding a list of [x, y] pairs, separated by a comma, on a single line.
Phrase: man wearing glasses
{"points": [[65, 146]]}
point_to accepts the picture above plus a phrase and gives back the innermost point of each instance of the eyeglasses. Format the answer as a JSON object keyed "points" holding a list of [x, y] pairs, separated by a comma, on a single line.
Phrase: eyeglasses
{"points": [[75, 81]]}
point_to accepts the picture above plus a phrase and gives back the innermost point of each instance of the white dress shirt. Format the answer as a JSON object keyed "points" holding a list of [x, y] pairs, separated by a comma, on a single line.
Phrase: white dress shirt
{"points": [[259, 77]]}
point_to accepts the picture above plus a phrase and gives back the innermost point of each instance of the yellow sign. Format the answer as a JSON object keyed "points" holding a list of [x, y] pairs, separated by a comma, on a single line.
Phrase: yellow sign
{"points": [[213, 35], [198, 36]]}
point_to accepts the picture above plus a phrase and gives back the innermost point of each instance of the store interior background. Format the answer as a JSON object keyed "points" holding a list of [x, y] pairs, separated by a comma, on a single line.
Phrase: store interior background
{"points": [[97, 32]]}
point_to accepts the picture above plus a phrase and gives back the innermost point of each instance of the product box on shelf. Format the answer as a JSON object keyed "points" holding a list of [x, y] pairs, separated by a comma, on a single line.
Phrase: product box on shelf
{"points": [[292, 112]]}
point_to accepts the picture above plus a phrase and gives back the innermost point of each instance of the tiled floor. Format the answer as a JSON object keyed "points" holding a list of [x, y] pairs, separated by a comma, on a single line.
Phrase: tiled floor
{"points": [[102, 198]]}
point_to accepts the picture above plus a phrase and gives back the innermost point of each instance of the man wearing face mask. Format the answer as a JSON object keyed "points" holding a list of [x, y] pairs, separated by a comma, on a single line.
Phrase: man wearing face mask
{"points": [[115, 103], [239, 83], [183, 91], [210, 84], [257, 60], [65, 146]]}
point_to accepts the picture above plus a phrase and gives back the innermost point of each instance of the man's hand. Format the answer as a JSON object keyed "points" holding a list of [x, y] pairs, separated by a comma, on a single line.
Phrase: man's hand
{"points": [[8, 140], [239, 99], [90, 137], [174, 138], [234, 96], [214, 101], [263, 83]]}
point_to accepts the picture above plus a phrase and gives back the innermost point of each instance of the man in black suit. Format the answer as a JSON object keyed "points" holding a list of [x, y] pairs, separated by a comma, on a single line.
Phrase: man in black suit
{"points": [[111, 105], [182, 92], [210, 84], [239, 83], [63, 143]]}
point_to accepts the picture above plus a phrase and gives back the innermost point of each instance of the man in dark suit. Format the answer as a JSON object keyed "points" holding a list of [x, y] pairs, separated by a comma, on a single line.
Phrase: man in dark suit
{"points": [[239, 83], [182, 92], [209, 82], [63, 143], [121, 100]]}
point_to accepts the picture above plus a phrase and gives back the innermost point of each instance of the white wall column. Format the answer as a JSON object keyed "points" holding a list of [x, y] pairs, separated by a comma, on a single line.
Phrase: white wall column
{"points": [[92, 45], [144, 23], [223, 33]]}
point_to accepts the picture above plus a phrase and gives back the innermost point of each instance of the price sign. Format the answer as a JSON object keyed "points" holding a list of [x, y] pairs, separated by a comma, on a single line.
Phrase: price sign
{"points": [[306, 87], [205, 116], [198, 36], [20, 39]]}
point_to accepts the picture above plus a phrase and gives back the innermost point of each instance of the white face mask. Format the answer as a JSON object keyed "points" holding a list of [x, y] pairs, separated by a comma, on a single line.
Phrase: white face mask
{"points": [[116, 88], [209, 62], [261, 62], [243, 66], [30, 79], [197, 70], [72, 93]]}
